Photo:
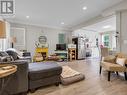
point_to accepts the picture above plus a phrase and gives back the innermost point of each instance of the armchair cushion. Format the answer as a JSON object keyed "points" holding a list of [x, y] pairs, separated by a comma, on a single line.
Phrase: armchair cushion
{"points": [[110, 59], [113, 67]]}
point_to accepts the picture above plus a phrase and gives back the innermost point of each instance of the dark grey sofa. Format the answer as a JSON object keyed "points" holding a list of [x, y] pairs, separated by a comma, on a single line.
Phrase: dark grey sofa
{"points": [[30, 76], [18, 82]]}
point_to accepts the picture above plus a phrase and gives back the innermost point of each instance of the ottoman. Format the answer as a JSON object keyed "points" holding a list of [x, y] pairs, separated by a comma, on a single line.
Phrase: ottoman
{"points": [[70, 76], [43, 73]]}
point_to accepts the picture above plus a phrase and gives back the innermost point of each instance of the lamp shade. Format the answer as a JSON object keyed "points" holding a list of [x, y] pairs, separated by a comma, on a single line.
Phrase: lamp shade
{"points": [[2, 29], [13, 40]]}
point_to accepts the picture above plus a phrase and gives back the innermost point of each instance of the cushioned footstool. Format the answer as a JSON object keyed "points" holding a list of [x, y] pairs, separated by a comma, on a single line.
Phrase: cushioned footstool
{"points": [[70, 76], [70, 80], [43, 73]]}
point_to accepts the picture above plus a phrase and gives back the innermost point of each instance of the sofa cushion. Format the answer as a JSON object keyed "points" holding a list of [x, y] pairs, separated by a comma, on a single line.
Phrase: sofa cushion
{"points": [[43, 70]]}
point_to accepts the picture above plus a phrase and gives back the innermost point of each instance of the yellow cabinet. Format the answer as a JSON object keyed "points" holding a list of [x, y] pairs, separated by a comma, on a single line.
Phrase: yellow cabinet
{"points": [[43, 51]]}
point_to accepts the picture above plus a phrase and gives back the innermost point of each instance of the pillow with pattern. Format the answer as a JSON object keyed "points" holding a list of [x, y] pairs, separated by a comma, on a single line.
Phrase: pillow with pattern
{"points": [[4, 57]]}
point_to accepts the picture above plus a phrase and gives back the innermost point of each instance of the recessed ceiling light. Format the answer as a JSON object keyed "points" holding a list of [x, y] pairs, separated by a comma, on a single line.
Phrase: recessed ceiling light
{"points": [[27, 16], [62, 23], [107, 26], [84, 8]]}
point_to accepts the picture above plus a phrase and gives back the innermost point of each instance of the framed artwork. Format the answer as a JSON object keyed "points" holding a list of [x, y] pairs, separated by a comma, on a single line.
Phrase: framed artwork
{"points": [[20, 35], [42, 39]]}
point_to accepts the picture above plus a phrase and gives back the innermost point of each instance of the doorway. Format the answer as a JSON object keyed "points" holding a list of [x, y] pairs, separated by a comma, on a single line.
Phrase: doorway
{"points": [[98, 34]]}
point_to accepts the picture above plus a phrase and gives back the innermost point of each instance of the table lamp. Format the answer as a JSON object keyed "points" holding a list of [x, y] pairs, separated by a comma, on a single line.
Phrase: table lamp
{"points": [[2, 30]]}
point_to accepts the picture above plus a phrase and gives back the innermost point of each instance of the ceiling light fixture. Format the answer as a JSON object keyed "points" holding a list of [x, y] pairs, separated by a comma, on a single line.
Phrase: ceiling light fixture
{"points": [[84, 8], [62, 23], [27, 17], [107, 26]]}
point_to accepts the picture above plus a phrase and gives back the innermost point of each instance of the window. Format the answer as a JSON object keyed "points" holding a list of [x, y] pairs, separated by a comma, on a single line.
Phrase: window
{"points": [[106, 40], [61, 38], [2, 44]]}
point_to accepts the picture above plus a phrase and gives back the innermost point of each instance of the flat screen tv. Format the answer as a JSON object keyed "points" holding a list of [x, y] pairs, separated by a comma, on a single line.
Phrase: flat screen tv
{"points": [[60, 46]]}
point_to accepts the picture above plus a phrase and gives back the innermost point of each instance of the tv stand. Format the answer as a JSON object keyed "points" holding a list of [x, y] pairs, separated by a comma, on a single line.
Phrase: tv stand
{"points": [[63, 54]]}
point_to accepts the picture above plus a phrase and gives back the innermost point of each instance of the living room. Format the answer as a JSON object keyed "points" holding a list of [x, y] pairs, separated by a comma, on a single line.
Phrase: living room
{"points": [[63, 47]]}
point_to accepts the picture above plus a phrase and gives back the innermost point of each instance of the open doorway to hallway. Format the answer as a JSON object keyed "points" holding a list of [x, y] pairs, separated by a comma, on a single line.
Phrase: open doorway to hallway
{"points": [[100, 34]]}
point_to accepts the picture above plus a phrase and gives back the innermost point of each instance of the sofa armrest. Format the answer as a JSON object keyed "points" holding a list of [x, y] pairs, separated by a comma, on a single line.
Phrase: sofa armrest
{"points": [[28, 59], [110, 59], [19, 80]]}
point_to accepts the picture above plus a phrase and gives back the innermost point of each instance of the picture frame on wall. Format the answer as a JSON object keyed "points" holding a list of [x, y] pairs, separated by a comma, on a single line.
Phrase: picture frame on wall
{"points": [[20, 35]]}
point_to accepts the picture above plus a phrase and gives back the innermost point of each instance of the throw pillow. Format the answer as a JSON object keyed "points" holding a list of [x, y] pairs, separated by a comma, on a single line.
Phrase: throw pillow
{"points": [[13, 54], [121, 61], [4, 57], [2, 54]]}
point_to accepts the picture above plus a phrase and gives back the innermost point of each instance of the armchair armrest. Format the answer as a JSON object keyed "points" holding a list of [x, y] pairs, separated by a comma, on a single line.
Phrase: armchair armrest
{"points": [[110, 59]]}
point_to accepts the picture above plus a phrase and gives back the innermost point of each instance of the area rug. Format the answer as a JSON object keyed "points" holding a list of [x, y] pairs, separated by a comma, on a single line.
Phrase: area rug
{"points": [[70, 76]]}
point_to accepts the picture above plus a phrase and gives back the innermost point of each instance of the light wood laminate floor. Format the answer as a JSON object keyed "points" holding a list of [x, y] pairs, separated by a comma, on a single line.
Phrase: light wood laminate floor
{"points": [[94, 84]]}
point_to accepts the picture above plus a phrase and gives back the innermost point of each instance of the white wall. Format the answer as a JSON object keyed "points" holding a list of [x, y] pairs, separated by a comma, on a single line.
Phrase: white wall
{"points": [[33, 32], [122, 29], [113, 38], [7, 45]]}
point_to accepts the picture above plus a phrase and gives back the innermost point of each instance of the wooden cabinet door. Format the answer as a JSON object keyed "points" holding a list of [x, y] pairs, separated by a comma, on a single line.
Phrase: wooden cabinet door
{"points": [[2, 29]]}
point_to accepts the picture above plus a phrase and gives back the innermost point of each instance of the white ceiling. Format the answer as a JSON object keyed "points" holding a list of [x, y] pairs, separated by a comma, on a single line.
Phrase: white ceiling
{"points": [[99, 27], [51, 13]]}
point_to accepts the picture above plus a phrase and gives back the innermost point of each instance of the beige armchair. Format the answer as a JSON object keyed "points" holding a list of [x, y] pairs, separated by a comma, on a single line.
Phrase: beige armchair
{"points": [[109, 64]]}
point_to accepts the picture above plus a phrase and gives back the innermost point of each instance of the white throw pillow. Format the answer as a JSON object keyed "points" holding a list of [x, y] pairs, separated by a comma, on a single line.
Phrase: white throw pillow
{"points": [[120, 61]]}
